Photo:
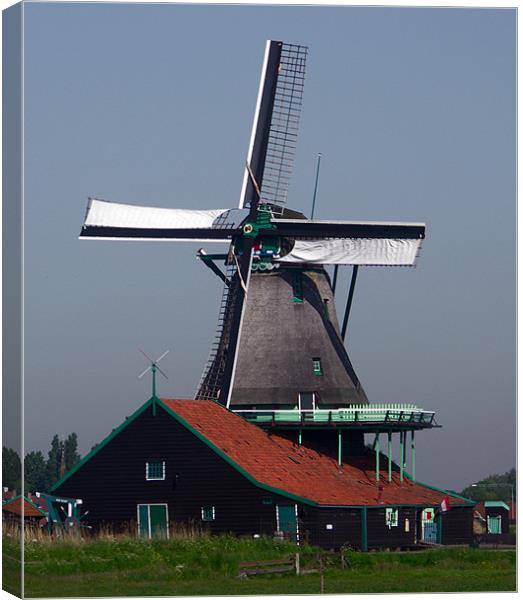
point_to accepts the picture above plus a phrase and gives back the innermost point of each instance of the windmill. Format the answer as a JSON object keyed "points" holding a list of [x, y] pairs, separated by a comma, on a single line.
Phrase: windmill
{"points": [[278, 344]]}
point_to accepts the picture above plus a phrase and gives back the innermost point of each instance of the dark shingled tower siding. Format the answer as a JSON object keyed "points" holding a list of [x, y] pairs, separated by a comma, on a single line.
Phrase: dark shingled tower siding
{"points": [[281, 337]]}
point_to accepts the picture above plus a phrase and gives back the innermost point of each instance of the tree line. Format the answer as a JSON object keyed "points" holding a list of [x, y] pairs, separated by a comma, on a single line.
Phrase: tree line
{"points": [[494, 487], [40, 473]]}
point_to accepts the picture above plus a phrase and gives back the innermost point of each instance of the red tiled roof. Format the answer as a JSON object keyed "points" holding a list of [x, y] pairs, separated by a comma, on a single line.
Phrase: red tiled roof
{"points": [[15, 507], [8, 495], [277, 462]]}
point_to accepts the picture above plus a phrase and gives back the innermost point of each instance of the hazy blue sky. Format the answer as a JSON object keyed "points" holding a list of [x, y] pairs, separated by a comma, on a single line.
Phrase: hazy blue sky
{"points": [[414, 111]]}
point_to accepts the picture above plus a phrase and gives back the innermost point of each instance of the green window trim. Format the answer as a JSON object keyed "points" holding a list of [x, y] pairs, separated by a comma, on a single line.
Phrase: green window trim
{"points": [[155, 471], [391, 517], [297, 287], [316, 367], [208, 513]]}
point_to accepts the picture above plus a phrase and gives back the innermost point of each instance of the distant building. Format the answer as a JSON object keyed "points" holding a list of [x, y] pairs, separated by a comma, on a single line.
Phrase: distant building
{"points": [[27, 506], [491, 517]]}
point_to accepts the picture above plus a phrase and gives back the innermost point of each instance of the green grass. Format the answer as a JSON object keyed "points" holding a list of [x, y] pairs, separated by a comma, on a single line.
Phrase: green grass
{"points": [[209, 565]]}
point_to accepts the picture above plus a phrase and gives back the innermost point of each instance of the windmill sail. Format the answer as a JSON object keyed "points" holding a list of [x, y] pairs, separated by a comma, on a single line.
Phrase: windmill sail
{"points": [[275, 128], [354, 251], [112, 220]]}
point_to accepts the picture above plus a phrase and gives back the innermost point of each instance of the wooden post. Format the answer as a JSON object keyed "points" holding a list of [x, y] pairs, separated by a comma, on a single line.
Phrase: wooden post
{"points": [[340, 454], [349, 301], [335, 278], [402, 455], [364, 539], [389, 436], [377, 448], [297, 563], [413, 455]]}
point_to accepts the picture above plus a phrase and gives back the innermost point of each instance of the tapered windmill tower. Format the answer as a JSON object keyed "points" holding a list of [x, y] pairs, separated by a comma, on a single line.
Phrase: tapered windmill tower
{"points": [[279, 357]]}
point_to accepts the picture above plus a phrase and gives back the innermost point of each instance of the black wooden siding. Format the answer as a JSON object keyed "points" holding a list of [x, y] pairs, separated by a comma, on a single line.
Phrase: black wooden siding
{"points": [[112, 483], [346, 527], [456, 525], [381, 536]]}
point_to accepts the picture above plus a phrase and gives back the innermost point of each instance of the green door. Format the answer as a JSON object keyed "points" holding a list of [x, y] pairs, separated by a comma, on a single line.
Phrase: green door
{"points": [[143, 520], [286, 521], [494, 524], [158, 515], [152, 520]]}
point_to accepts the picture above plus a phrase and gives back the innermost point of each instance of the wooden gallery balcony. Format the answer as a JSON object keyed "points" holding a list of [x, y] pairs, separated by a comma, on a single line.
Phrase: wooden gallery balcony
{"points": [[371, 417]]}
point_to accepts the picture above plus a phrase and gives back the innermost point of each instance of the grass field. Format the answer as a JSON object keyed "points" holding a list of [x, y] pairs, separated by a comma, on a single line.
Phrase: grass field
{"points": [[209, 565]]}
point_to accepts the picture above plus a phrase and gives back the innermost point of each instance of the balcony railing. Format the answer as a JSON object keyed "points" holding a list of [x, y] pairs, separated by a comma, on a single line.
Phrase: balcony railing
{"points": [[375, 413]]}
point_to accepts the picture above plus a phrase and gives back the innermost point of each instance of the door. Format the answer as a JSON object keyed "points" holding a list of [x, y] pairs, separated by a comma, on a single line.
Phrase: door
{"points": [[153, 520], [286, 521], [429, 527], [307, 404], [494, 524]]}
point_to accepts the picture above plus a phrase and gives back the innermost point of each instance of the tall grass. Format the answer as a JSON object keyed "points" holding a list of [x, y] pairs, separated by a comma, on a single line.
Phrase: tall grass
{"points": [[185, 557]]}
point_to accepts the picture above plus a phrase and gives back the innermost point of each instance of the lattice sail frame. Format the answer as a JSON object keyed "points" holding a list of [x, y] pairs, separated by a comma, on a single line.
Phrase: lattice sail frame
{"points": [[283, 131]]}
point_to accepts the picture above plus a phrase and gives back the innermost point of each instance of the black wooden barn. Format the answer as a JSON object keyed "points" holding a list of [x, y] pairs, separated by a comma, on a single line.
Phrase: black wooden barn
{"points": [[195, 462]]}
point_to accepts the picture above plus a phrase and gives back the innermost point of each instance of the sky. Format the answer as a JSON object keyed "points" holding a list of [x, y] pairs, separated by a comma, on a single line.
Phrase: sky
{"points": [[414, 112]]}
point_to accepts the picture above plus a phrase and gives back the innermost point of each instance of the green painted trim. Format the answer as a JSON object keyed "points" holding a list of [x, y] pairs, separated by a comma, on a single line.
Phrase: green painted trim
{"points": [[364, 539], [467, 501], [26, 499], [103, 443], [495, 503], [233, 463]]}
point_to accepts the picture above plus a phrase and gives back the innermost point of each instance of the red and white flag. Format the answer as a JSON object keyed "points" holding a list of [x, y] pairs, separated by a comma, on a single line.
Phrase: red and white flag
{"points": [[445, 504]]}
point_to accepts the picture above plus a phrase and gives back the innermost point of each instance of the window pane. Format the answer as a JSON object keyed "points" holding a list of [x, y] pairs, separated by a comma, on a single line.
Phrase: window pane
{"points": [[316, 366], [208, 513], [156, 470]]}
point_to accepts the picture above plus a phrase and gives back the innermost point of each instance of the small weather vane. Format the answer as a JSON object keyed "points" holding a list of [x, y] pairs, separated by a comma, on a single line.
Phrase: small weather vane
{"points": [[153, 367]]}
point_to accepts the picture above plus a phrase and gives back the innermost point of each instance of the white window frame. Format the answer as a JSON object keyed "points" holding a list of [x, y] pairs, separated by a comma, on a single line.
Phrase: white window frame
{"points": [[393, 521], [149, 517], [213, 514], [162, 478]]}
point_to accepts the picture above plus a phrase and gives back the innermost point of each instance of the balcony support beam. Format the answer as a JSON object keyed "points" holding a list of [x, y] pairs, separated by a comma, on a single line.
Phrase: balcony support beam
{"points": [[377, 448], [389, 439], [413, 454], [402, 454]]}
